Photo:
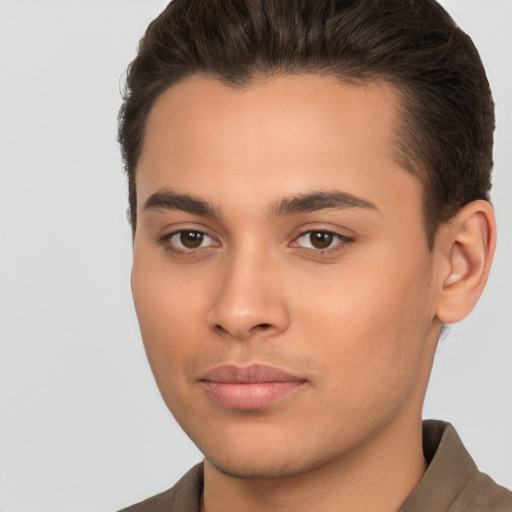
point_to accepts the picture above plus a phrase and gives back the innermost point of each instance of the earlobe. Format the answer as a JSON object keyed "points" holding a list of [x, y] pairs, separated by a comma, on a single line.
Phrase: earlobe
{"points": [[466, 246]]}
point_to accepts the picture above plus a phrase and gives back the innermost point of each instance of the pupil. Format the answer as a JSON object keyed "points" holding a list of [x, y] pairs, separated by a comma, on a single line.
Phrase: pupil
{"points": [[320, 239], [191, 239]]}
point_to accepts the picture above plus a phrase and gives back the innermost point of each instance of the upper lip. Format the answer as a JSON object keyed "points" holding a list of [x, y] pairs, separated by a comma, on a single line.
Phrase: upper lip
{"points": [[230, 373]]}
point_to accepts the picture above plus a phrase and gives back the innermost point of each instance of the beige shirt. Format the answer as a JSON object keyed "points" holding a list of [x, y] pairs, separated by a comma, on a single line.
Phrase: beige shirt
{"points": [[452, 482]]}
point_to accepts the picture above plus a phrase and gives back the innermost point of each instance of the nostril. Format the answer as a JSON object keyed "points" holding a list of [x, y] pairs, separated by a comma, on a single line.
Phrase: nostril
{"points": [[262, 326], [219, 327]]}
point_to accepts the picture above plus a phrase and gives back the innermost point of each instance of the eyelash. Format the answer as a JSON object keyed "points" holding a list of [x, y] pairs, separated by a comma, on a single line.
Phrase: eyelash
{"points": [[340, 241], [343, 241], [165, 242]]}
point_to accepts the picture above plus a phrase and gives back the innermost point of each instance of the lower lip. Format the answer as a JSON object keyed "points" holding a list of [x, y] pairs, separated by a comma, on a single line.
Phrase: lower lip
{"points": [[251, 395]]}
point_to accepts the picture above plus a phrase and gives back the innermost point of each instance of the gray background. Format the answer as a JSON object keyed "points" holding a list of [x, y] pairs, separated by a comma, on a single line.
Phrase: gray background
{"points": [[82, 426]]}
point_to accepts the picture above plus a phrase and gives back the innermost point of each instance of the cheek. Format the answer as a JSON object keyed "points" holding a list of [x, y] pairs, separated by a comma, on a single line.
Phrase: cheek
{"points": [[370, 325], [167, 324], [168, 310]]}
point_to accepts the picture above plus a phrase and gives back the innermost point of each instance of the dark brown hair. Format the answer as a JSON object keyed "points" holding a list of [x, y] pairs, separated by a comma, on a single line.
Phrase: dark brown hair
{"points": [[445, 135]]}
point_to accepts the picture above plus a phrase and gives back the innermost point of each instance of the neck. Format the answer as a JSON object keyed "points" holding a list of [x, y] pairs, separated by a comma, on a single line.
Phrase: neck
{"points": [[378, 476]]}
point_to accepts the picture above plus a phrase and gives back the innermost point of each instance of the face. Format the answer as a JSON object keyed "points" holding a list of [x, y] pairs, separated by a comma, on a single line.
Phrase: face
{"points": [[282, 277]]}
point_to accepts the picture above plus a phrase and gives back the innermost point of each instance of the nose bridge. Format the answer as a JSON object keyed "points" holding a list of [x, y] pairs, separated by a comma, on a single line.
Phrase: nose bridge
{"points": [[249, 298]]}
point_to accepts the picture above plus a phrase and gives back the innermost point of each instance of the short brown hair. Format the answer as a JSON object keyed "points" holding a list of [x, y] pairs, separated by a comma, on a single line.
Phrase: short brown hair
{"points": [[447, 119]]}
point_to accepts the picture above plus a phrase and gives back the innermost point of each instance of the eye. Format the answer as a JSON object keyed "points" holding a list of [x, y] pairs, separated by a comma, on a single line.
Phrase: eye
{"points": [[187, 240], [321, 240]]}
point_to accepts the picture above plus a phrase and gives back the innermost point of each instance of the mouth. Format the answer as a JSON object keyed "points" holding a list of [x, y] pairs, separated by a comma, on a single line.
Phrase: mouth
{"points": [[252, 387]]}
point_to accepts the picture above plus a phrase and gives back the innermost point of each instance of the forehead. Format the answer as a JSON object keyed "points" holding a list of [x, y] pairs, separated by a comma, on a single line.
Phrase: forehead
{"points": [[281, 136]]}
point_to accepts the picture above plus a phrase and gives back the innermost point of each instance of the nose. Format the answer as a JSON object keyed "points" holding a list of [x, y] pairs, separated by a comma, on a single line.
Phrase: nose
{"points": [[249, 300]]}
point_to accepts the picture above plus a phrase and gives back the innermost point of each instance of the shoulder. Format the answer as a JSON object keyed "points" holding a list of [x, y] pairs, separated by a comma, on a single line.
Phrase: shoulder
{"points": [[477, 492], [483, 494], [184, 496], [452, 482]]}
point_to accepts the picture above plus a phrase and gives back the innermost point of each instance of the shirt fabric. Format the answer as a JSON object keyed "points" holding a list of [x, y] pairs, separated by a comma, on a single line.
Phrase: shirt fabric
{"points": [[452, 482]]}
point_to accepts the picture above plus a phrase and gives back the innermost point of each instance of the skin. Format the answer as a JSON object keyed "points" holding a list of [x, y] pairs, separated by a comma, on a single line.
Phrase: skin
{"points": [[357, 320]]}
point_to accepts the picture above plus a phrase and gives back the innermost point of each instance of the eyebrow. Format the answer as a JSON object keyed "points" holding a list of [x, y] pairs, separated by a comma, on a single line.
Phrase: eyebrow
{"points": [[169, 200], [302, 203], [316, 201]]}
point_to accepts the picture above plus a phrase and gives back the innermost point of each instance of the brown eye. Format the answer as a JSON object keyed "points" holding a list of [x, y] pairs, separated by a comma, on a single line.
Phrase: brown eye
{"points": [[188, 240], [191, 239], [321, 239]]}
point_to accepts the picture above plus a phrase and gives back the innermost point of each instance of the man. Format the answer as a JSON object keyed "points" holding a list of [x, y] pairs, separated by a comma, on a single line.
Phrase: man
{"points": [[309, 189]]}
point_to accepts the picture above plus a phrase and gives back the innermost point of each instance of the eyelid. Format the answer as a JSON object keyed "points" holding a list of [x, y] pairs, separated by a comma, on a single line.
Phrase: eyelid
{"points": [[344, 240], [340, 242], [165, 241]]}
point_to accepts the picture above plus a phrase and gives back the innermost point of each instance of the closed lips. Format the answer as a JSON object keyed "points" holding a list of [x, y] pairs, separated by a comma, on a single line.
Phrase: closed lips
{"points": [[251, 387]]}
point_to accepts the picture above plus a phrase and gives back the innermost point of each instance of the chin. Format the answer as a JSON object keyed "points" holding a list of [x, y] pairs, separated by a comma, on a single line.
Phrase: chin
{"points": [[257, 469]]}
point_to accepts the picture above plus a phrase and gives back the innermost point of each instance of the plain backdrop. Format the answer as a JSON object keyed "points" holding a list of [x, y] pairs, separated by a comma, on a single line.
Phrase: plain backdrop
{"points": [[82, 425]]}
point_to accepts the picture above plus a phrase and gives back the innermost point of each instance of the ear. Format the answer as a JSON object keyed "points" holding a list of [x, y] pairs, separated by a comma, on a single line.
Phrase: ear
{"points": [[465, 246]]}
